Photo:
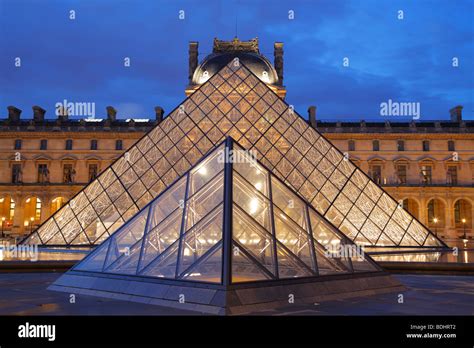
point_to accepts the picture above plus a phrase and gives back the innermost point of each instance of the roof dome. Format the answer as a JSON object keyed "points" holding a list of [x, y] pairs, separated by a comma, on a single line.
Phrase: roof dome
{"points": [[255, 62]]}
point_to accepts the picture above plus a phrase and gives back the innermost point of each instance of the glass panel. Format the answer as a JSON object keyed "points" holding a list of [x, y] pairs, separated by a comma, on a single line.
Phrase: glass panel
{"points": [[208, 268], [129, 234], [71, 230], [206, 170], [418, 232], [57, 239], [128, 263], [402, 218], [330, 262], [289, 266], [161, 237], [201, 203], [95, 261], [170, 200], [254, 173], [294, 238], [47, 230], [164, 266], [95, 230], [200, 238], [371, 232], [243, 269], [251, 201], [123, 203], [251, 236], [289, 203]]}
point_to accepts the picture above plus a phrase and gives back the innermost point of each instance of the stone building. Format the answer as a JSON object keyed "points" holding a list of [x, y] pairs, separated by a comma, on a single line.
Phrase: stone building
{"points": [[427, 166]]}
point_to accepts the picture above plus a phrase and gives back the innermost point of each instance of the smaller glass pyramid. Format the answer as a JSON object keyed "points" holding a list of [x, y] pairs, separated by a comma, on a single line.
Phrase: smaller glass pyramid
{"points": [[227, 220]]}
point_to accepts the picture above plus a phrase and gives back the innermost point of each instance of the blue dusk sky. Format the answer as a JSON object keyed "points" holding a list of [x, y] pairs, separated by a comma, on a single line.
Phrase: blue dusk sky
{"points": [[81, 60]]}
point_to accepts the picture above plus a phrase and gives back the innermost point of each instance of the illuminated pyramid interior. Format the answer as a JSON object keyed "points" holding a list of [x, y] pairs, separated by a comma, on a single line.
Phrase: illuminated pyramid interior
{"points": [[236, 103], [227, 222]]}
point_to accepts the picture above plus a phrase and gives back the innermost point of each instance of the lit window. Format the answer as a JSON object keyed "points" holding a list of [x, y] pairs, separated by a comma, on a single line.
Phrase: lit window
{"points": [[426, 174], [43, 173]]}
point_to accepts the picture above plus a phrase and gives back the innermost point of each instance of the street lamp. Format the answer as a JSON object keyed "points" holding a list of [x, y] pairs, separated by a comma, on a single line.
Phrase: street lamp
{"points": [[435, 221], [3, 222], [31, 225], [464, 224]]}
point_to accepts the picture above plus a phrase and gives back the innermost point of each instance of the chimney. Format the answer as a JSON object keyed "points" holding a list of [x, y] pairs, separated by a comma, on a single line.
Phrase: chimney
{"points": [[312, 116], [159, 113], [193, 59], [38, 113], [13, 114], [111, 113], [278, 60], [456, 114]]}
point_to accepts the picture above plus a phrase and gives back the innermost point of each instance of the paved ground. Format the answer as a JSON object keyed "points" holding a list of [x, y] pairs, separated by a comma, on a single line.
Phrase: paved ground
{"points": [[26, 294]]}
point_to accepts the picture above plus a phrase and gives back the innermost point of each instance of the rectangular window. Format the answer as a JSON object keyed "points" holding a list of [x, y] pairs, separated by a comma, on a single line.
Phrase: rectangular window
{"points": [[451, 146], [43, 144], [400, 145], [375, 145], [352, 145], [426, 175], [93, 169], [43, 173], [118, 145], [69, 144], [377, 174], [94, 144], [18, 144], [426, 145], [452, 175], [402, 174], [16, 174], [68, 174]]}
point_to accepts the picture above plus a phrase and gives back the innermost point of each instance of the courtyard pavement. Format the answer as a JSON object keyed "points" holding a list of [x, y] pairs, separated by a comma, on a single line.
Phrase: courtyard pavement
{"points": [[26, 294]]}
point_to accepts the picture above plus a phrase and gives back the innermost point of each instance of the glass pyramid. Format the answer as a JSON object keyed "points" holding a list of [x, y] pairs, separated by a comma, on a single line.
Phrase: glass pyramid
{"points": [[227, 222], [234, 102]]}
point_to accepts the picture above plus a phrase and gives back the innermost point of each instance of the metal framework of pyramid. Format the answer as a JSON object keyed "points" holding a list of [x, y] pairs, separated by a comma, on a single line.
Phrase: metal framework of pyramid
{"points": [[228, 221], [235, 103]]}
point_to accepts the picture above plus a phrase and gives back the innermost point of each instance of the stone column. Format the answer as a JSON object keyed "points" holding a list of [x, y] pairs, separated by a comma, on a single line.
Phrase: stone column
{"points": [[45, 208], [423, 209], [18, 217], [450, 228]]}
